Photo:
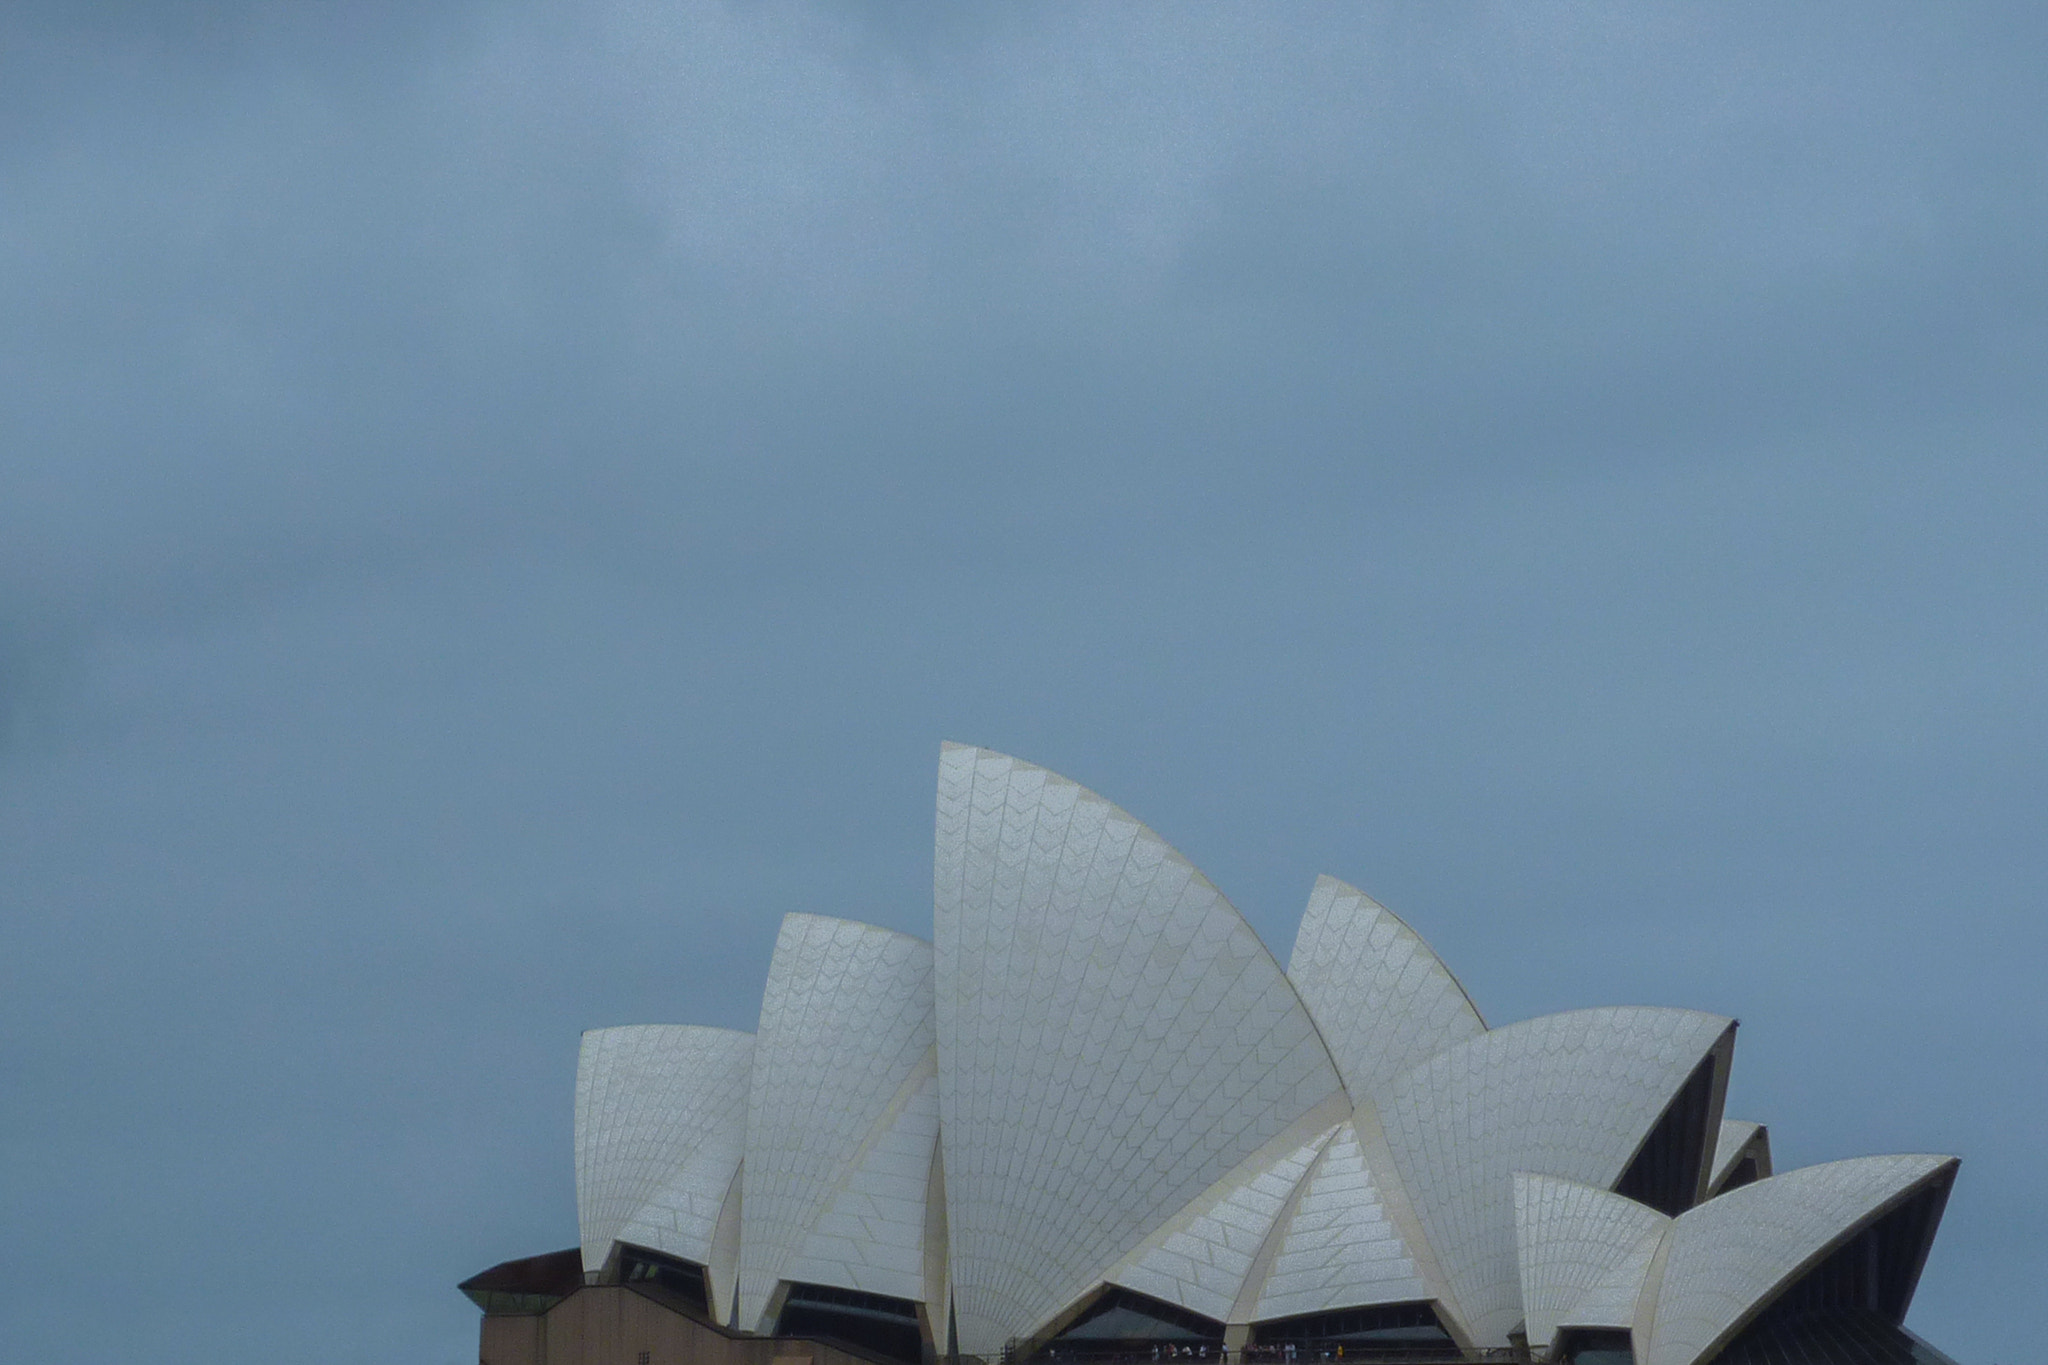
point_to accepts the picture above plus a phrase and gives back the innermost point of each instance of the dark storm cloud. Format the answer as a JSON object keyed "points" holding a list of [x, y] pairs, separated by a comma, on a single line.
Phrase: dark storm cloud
{"points": [[502, 502]]}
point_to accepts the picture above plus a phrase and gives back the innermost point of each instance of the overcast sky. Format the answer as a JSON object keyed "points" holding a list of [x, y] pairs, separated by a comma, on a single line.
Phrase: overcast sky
{"points": [[499, 504]]}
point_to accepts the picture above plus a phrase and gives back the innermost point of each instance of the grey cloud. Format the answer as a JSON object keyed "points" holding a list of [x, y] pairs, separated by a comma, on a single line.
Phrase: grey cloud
{"points": [[502, 502]]}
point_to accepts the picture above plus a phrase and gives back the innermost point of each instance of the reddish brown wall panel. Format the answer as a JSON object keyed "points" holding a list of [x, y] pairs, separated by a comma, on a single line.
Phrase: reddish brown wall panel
{"points": [[609, 1325], [511, 1341]]}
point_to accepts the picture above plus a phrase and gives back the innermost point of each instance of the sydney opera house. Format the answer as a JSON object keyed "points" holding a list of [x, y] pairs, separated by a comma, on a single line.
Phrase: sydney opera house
{"points": [[1094, 1119]]}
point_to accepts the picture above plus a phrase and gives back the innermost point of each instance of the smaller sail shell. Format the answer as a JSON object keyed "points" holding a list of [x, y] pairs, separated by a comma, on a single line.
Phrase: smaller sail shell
{"points": [[1339, 1247], [1381, 999], [661, 1117], [1203, 1257], [1732, 1255], [1584, 1253], [871, 1235], [1738, 1138], [846, 1035], [1571, 1095]]}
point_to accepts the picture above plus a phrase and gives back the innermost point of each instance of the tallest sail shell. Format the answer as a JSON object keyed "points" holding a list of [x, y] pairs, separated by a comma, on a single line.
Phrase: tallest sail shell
{"points": [[1113, 1038]]}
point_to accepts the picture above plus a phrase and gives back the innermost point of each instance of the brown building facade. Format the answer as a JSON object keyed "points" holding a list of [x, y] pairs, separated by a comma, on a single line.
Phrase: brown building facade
{"points": [[539, 1311]]}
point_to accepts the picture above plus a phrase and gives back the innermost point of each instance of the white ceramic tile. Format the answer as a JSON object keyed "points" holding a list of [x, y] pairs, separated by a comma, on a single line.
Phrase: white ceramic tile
{"points": [[1736, 1137], [1074, 943], [1583, 1253], [846, 1024], [1569, 1095], [661, 1115], [1731, 1255], [1381, 998], [1339, 1249]]}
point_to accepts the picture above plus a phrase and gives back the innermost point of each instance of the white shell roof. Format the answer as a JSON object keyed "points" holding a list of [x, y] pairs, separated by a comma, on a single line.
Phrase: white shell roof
{"points": [[661, 1112], [871, 1236], [1202, 1258], [1570, 1095], [846, 1025], [1584, 1252], [1338, 1247], [1382, 999], [1113, 1039], [1097, 1075], [1729, 1257], [1734, 1139]]}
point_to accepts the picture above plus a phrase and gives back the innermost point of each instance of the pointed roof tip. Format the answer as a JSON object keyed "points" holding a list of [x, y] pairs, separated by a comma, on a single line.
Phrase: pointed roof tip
{"points": [[1735, 1137], [807, 916], [1943, 1161], [1326, 885], [1725, 1266], [1337, 886], [1006, 828], [954, 746], [685, 1028], [1088, 793]]}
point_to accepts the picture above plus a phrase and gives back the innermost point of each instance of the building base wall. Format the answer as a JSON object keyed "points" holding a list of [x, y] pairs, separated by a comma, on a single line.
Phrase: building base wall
{"points": [[613, 1325], [512, 1340]]}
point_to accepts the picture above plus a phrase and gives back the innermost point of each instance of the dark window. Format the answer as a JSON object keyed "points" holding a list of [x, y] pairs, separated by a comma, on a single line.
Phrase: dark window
{"points": [[1666, 1171], [668, 1280], [1849, 1309], [875, 1322], [1388, 1325], [528, 1286], [1829, 1336], [1584, 1346], [1874, 1270], [1122, 1322], [1746, 1172]]}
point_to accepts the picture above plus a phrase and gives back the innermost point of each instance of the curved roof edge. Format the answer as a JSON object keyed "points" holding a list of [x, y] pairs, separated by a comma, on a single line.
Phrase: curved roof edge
{"points": [[1382, 997], [1076, 946], [1339, 1245], [846, 1023], [870, 1234], [1573, 1095], [1584, 1253], [1729, 1259], [839, 921], [1739, 1138], [660, 1120], [1203, 1256]]}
